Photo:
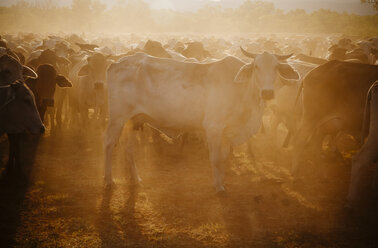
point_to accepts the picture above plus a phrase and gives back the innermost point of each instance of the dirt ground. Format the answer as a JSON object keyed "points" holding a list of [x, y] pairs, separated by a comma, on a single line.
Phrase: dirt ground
{"points": [[61, 201]]}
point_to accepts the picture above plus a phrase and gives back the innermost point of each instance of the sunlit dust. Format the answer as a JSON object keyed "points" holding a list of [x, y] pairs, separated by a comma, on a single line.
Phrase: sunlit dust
{"points": [[206, 123]]}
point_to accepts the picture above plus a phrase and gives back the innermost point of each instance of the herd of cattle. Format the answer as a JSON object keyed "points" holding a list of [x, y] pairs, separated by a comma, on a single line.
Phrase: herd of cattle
{"points": [[223, 88]]}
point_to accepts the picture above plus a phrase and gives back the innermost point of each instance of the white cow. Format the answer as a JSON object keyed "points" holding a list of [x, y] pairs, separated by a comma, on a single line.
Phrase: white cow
{"points": [[287, 105], [225, 99]]}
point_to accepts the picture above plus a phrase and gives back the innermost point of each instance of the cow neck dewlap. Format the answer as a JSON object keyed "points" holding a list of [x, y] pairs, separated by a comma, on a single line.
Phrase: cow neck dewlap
{"points": [[251, 103], [251, 96]]}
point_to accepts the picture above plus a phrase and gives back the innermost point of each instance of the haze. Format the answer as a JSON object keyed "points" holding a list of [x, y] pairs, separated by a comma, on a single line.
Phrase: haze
{"points": [[351, 6]]}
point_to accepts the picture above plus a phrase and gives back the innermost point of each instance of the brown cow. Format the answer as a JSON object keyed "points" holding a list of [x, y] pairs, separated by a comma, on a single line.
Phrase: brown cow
{"points": [[368, 154], [333, 98], [18, 112], [43, 87]]}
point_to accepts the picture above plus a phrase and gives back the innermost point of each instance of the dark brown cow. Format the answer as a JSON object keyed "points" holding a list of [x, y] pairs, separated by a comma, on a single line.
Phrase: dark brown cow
{"points": [[43, 87], [18, 112], [61, 65], [333, 99], [48, 57]]}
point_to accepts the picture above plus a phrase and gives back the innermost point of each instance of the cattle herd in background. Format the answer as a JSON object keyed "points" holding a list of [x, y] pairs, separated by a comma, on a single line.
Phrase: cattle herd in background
{"points": [[313, 85]]}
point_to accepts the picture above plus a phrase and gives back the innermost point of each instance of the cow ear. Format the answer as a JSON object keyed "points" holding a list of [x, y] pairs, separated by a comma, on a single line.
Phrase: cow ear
{"points": [[62, 81], [27, 72], [244, 74], [84, 70], [287, 72]]}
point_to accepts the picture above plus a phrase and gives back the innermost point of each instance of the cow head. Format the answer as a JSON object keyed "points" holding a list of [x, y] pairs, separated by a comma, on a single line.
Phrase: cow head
{"points": [[44, 86], [95, 68], [336, 53], [262, 72], [50, 57], [19, 111], [11, 70]]}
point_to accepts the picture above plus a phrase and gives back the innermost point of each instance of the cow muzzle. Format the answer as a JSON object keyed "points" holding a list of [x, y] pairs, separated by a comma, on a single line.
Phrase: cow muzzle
{"points": [[267, 94], [48, 102]]}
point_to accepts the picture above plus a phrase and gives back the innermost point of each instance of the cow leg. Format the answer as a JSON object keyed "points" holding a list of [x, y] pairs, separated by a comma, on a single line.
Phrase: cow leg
{"points": [[62, 109], [17, 154], [12, 148], [300, 141], [130, 145], [218, 154], [58, 112], [52, 120], [360, 165], [274, 123], [14, 151], [112, 135], [84, 116]]}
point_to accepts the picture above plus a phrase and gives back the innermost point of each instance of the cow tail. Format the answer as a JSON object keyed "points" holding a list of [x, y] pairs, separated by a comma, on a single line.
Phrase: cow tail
{"points": [[298, 93], [290, 133], [366, 119]]}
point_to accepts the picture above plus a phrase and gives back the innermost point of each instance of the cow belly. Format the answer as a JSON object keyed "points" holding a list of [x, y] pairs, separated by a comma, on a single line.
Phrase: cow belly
{"points": [[175, 111], [168, 107]]}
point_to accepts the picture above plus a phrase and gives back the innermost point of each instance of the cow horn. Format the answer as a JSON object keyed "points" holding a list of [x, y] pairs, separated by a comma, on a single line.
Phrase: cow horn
{"points": [[248, 54], [283, 57], [12, 54]]}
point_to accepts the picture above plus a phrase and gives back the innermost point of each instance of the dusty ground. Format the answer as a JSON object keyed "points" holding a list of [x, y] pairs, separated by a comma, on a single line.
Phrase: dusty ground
{"points": [[62, 202]]}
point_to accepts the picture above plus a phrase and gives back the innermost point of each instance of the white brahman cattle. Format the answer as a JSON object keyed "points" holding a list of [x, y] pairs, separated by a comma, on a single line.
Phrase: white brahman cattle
{"points": [[225, 99]]}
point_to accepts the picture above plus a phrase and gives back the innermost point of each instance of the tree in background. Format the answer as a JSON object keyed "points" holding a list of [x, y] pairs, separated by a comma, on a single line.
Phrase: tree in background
{"points": [[374, 3]]}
